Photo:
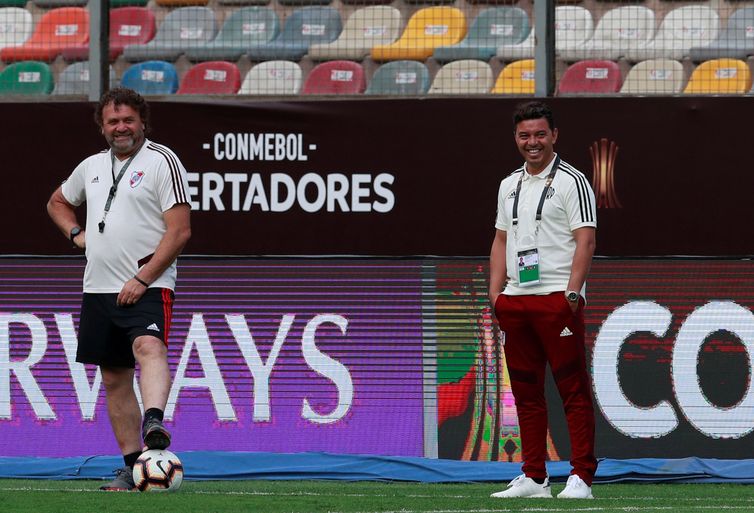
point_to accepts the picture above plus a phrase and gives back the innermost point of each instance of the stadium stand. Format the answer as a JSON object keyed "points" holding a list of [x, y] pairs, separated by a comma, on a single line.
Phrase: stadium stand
{"points": [[212, 77], [57, 29], [151, 77], [618, 31], [335, 77], [26, 78], [463, 77], [304, 27], [182, 29], [273, 78], [720, 76], [364, 29], [493, 27], [400, 78], [681, 29], [591, 77], [654, 76], [736, 41], [15, 26], [74, 79], [426, 30], [128, 25], [516, 78], [244, 28]]}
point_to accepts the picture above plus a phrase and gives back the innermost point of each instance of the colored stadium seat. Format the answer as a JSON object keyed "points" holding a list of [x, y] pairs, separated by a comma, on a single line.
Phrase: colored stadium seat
{"points": [[272, 78], [304, 27], [57, 29], [12, 3], [128, 25], [655, 76], [400, 78], [427, 29], [213, 77], [243, 29], [335, 77], [26, 78], [591, 77], [736, 41], [75, 79], [516, 78], [364, 29], [52, 4], [618, 31], [720, 76], [182, 29], [681, 29], [463, 77], [15, 26], [492, 28], [151, 77]]}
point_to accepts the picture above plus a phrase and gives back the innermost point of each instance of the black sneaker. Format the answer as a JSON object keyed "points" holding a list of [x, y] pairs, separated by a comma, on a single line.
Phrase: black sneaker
{"points": [[155, 435], [123, 482]]}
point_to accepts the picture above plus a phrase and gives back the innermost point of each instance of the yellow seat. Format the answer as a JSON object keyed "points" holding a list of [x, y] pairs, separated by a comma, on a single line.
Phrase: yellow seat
{"points": [[427, 29], [720, 76], [516, 78]]}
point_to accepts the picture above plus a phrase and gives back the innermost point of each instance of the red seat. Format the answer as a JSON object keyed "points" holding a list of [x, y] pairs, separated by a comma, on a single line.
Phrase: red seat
{"points": [[336, 77], [213, 77], [128, 25], [591, 77], [58, 29]]}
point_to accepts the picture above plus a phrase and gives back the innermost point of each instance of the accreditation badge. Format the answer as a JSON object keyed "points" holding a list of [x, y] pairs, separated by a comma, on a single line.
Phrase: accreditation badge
{"points": [[528, 267]]}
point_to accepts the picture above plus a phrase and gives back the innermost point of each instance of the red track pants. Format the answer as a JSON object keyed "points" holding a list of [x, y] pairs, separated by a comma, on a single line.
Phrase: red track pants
{"points": [[540, 330]]}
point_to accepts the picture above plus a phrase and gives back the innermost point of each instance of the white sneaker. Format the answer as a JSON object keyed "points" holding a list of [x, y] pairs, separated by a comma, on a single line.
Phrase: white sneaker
{"points": [[576, 488], [524, 486]]}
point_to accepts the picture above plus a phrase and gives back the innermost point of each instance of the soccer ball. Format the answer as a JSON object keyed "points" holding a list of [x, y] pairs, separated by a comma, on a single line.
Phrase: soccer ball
{"points": [[158, 471]]}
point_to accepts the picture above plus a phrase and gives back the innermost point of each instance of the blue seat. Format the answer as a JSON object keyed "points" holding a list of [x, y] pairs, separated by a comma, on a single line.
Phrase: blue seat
{"points": [[151, 77], [400, 78], [304, 27]]}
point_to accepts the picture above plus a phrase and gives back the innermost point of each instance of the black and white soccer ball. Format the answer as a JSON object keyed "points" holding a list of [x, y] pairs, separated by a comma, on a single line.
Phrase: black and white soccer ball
{"points": [[158, 471]]}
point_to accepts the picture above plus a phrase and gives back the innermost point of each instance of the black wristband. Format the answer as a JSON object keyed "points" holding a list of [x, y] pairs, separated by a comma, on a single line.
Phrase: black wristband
{"points": [[141, 281]]}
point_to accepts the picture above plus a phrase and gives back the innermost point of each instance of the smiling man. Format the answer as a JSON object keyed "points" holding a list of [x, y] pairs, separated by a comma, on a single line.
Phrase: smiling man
{"points": [[137, 223], [539, 261]]}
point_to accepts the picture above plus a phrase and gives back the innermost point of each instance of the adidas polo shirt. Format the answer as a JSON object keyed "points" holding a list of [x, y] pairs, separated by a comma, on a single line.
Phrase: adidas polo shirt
{"points": [[153, 183], [570, 206]]}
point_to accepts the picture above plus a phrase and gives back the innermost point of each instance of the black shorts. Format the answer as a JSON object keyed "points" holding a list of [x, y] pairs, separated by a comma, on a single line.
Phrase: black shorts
{"points": [[107, 331]]}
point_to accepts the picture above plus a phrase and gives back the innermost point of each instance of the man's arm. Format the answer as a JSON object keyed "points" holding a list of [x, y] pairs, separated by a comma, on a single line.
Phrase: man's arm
{"points": [[63, 215], [582, 259], [498, 271], [177, 233]]}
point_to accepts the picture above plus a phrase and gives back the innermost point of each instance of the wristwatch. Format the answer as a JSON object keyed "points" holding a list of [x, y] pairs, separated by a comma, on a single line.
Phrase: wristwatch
{"points": [[75, 231], [571, 296]]}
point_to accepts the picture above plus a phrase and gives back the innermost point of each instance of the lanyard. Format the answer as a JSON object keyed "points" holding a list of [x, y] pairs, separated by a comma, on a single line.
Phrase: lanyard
{"points": [[546, 188], [116, 181]]}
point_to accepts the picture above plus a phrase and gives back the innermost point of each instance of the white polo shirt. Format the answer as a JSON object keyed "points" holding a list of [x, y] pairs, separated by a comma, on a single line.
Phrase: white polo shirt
{"points": [[570, 205], [153, 183]]}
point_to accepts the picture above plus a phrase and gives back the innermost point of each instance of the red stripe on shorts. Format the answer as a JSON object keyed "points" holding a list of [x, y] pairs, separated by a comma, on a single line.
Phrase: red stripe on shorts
{"points": [[167, 309]]}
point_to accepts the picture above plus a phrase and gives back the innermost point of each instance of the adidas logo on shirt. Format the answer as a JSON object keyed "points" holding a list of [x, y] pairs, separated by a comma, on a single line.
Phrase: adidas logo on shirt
{"points": [[566, 332], [154, 327]]}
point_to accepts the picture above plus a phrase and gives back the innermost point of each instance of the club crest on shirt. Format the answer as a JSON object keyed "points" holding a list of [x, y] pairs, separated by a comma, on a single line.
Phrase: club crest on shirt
{"points": [[136, 177]]}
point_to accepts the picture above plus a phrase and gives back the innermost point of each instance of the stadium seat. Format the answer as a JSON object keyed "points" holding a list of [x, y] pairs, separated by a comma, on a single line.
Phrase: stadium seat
{"points": [[243, 29], [181, 3], [493, 27], [400, 78], [128, 25], [213, 77], [182, 29], [128, 3], [75, 79], [655, 76], [516, 78], [364, 29], [273, 78], [304, 27], [574, 26], [736, 41], [151, 77], [243, 2], [52, 4], [57, 29], [463, 77], [618, 31], [303, 3], [335, 77], [366, 2], [427, 29], [681, 29], [720, 76], [26, 78], [591, 77], [12, 3], [15, 26]]}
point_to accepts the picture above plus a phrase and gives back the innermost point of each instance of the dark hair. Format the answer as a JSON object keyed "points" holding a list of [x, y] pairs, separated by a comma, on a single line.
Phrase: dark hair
{"points": [[533, 110], [123, 96]]}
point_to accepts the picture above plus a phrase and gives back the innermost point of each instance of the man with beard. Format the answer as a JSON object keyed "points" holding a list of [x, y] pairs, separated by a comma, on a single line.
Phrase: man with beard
{"points": [[138, 221]]}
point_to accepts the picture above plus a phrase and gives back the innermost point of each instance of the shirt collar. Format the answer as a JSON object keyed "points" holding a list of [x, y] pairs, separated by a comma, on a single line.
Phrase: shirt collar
{"points": [[545, 172]]}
